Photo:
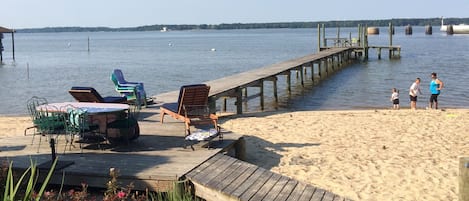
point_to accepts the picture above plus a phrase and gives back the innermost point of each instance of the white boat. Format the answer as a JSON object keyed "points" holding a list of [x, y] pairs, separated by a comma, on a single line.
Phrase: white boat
{"points": [[164, 29], [457, 28]]}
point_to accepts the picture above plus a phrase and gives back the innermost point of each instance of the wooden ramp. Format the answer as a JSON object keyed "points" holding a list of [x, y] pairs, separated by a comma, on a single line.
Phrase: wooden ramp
{"points": [[226, 178]]}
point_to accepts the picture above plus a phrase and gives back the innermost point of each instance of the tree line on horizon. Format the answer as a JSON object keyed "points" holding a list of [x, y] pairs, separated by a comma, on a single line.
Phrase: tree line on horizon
{"points": [[292, 25]]}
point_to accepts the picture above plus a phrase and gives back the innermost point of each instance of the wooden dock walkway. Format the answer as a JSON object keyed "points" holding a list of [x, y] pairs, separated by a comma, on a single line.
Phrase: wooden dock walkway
{"points": [[224, 178], [155, 160], [321, 64]]}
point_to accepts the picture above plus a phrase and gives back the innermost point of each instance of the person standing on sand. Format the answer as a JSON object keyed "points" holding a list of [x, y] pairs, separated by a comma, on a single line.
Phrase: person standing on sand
{"points": [[435, 86], [413, 92], [395, 98]]}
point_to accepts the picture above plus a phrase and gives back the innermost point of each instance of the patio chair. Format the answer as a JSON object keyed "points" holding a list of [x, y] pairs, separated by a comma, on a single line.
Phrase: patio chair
{"points": [[89, 94], [130, 92], [46, 120], [36, 116], [191, 108], [77, 124]]}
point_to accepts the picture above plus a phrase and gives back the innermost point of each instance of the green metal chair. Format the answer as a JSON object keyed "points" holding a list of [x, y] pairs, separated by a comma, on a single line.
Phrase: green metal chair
{"points": [[45, 122], [77, 124]]}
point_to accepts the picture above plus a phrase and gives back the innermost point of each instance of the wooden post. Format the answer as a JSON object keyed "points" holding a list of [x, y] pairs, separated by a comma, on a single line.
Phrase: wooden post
{"points": [[224, 104], [239, 101], [319, 37], [261, 94], [324, 36], [212, 105], [319, 69], [240, 149], [464, 179], [379, 53], [275, 89], [312, 72], [289, 82], [391, 28], [302, 76], [13, 43], [338, 37], [365, 42]]}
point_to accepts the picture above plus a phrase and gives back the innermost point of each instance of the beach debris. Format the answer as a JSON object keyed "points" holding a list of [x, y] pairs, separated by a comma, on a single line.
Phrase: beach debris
{"points": [[384, 147]]}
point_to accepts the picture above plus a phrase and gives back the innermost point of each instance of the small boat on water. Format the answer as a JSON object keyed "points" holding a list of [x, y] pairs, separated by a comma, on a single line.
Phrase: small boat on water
{"points": [[457, 28]]}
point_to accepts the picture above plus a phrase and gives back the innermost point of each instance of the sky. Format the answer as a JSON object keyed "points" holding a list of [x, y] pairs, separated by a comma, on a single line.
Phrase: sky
{"points": [[19, 14]]}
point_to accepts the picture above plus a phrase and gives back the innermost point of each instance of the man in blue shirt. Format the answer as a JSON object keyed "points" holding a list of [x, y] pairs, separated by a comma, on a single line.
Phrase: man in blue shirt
{"points": [[435, 86]]}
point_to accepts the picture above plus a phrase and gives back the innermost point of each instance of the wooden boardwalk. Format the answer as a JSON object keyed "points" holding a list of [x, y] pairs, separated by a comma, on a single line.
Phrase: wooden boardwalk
{"points": [[155, 160], [231, 86], [224, 178]]}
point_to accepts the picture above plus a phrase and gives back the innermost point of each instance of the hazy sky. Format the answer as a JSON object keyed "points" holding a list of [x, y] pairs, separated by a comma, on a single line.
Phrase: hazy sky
{"points": [[130, 13]]}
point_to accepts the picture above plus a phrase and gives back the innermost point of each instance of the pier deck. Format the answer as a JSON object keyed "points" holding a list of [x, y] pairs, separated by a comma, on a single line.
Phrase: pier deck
{"points": [[155, 160], [232, 86]]}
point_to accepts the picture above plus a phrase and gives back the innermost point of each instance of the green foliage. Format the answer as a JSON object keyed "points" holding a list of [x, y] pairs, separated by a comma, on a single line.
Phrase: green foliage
{"points": [[11, 188], [335, 23], [19, 190]]}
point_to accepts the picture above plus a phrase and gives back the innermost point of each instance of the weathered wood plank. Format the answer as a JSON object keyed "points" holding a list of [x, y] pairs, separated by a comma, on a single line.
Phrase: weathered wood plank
{"points": [[230, 188], [277, 188], [256, 186], [307, 193], [229, 180], [215, 182], [260, 194], [287, 190], [207, 172], [217, 170], [328, 196], [318, 194], [297, 191], [248, 182], [203, 166]]}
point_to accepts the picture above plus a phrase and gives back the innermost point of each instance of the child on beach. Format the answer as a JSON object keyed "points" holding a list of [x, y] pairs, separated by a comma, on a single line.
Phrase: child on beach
{"points": [[395, 98]]}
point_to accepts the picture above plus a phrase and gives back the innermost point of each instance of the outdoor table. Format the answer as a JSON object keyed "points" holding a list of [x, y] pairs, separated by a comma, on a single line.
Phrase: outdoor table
{"points": [[96, 111]]}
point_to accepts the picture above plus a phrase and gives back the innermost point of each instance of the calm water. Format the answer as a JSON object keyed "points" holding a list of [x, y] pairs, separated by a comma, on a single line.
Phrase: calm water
{"points": [[165, 61]]}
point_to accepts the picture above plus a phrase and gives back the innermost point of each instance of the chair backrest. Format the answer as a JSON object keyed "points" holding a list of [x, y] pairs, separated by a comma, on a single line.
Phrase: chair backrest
{"points": [[192, 95], [119, 76], [86, 94], [32, 105], [77, 119]]}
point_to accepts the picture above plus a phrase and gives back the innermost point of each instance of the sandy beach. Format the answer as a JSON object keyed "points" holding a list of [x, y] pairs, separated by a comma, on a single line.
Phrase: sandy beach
{"points": [[363, 155]]}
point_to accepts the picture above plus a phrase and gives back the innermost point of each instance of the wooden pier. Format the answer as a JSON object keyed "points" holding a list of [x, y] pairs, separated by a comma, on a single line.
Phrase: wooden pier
{"points": [[321, 65]]}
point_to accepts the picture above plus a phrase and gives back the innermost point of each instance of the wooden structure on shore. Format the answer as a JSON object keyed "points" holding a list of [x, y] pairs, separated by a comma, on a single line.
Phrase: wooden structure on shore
{"points": [[223, 178], [322, 64], [157, 161], [360, 44], [12, 32]]}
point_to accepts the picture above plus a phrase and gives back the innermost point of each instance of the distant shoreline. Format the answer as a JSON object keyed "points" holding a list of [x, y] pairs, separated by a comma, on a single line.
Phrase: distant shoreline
{"points": [[179, 27]]}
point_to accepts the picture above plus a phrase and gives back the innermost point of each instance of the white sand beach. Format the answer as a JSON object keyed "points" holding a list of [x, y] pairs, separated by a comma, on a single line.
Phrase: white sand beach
{"points": [[363, 155]]}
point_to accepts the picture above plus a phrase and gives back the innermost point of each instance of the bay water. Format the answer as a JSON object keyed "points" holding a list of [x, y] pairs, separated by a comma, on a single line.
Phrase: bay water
{"points": [[49, 64]]}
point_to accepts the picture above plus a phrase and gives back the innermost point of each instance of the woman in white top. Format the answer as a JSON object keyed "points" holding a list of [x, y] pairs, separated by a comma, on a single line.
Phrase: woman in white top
{"points": [[413, 92]]}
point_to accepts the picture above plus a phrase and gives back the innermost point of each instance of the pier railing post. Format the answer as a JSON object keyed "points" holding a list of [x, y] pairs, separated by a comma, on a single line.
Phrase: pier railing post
{"points": [[464, 179], [319, 37], [239, 100]]}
